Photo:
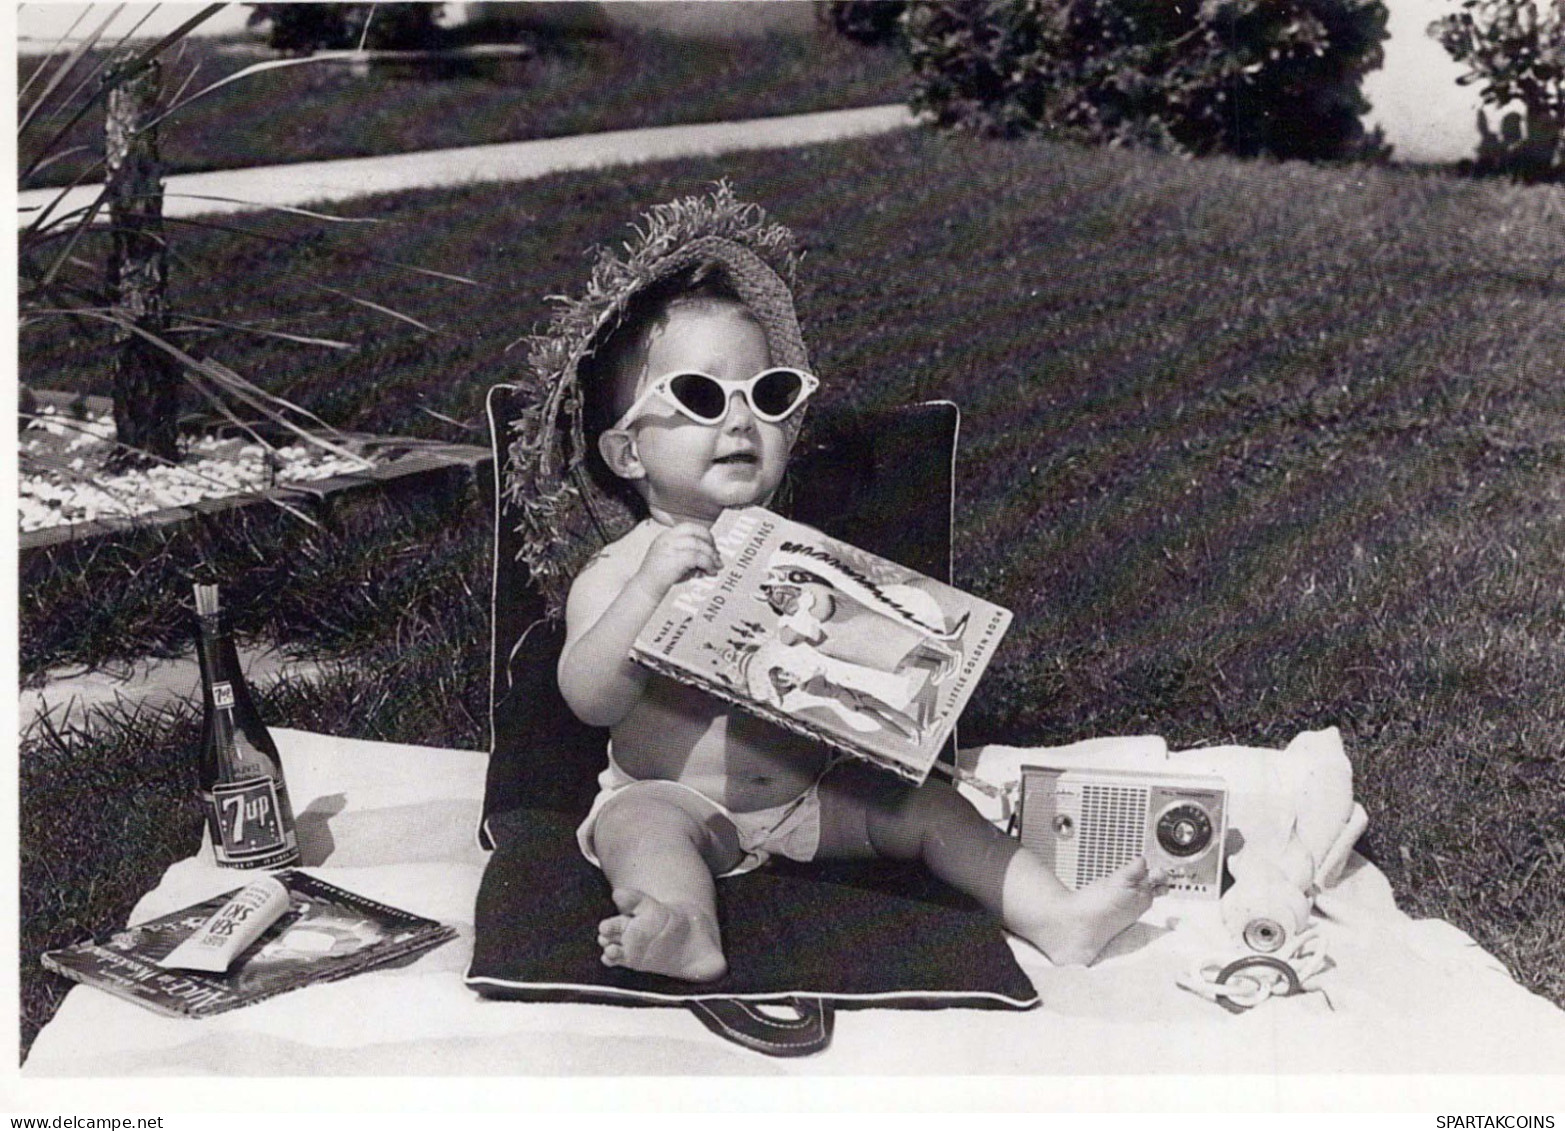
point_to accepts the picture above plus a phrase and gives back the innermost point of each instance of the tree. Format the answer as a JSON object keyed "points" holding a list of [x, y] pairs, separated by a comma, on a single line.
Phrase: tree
{"points": [[146, 380], [1515, 54]]}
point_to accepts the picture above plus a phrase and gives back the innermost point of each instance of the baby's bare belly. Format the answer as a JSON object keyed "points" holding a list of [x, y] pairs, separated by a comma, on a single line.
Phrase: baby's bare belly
{"points": [[677, 733]]}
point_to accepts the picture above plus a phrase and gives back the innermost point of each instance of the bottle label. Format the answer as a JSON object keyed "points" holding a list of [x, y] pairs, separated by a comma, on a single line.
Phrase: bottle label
{"points": [[223, 694], [248, 823]]}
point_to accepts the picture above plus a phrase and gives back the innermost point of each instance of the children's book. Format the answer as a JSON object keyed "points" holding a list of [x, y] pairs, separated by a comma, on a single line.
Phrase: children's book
{"points": [[326, 933], [827, 640]]}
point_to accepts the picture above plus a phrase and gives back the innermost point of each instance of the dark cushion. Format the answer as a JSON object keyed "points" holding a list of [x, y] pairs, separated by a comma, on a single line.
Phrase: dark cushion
{"points": [[789, 930], [853, 934]]}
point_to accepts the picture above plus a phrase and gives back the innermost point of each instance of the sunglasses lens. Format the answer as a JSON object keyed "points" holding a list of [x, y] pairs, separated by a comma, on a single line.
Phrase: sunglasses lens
{"points": [[777, 393], [702, 396]]}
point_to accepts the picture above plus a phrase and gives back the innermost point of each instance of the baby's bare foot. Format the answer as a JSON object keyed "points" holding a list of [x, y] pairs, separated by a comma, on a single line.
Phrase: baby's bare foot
{"points": [[661, 938], [1082, 923]]}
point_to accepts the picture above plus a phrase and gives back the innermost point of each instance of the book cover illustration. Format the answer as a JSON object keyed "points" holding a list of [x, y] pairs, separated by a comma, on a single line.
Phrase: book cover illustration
{"points": [[327, 933], [828, 640]]}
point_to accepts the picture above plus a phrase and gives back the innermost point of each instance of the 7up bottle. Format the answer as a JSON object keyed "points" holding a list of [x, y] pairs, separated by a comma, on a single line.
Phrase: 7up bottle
{"points": [[242, 787]]}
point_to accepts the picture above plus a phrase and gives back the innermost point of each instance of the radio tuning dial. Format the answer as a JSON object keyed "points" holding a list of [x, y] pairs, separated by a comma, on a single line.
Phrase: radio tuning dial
{"points": [[1184, 829]]}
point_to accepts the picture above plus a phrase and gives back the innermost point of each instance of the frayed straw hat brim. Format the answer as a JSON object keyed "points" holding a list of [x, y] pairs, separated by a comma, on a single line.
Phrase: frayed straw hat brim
{"points": [[562, 516]]}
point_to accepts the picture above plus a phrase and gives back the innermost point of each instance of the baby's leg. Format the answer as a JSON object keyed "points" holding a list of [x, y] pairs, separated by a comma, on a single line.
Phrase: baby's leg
{"points": [[660, 850], [933, 823]]}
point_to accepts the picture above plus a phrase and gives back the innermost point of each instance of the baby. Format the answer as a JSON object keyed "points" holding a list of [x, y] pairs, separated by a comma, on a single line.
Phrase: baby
{"points": [[695, 789]]}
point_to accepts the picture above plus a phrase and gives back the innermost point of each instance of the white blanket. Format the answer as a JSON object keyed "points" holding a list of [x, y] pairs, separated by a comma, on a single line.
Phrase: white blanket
{"points": [[397, 823]]}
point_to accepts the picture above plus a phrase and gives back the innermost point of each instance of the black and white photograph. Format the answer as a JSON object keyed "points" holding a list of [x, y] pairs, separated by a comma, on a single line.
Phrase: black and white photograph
{"points": [[1154, 411]]}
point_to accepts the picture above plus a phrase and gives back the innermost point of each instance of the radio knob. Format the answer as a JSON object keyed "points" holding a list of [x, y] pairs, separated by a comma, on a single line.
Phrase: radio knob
{"points": [[1184, 829]]}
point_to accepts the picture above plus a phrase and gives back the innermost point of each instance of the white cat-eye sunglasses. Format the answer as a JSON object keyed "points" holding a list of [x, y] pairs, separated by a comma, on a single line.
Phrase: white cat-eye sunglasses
{"points": [[773, 395]]}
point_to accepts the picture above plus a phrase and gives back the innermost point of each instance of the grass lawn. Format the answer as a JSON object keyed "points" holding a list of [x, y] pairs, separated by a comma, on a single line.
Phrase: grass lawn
{"points": [[1248, 449], [321, 110]]}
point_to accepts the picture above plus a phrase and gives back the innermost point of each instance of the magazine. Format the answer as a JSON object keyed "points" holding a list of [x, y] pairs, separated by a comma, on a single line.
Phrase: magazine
{"points": [[827, 640], [327, 933]]}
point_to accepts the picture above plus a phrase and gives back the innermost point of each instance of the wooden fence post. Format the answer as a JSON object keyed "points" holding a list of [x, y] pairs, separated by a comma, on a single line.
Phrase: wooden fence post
{"points": [[146, 379]]}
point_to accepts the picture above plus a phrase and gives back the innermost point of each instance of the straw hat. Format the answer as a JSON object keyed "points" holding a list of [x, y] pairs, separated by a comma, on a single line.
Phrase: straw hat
{"points": [[563, 517]]}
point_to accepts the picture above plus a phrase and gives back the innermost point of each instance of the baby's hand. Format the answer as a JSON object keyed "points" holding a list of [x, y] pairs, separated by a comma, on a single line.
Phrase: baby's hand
{"points": [[676, 554]]}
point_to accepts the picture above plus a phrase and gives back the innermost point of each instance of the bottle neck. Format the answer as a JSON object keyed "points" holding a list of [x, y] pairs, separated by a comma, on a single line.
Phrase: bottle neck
{"points": [[215, 653]]}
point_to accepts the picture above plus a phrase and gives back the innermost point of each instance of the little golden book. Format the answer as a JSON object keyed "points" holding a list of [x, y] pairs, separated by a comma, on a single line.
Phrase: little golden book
{"points": [[827, 640]]}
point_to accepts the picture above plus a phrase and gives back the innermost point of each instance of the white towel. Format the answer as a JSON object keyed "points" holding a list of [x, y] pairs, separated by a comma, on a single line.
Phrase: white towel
{"points": [[396, 823]]}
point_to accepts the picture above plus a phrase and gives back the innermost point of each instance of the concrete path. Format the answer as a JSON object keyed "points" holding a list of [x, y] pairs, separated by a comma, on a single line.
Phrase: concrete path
{"points": [[318, 182]]}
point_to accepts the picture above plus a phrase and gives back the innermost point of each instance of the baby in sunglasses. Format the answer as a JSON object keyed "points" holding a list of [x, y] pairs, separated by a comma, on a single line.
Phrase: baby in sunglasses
{"points": [[689, 407]]}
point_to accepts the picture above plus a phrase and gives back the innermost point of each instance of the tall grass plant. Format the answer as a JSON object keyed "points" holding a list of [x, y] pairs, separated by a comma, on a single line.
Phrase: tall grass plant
{"points": [[105, 263]]}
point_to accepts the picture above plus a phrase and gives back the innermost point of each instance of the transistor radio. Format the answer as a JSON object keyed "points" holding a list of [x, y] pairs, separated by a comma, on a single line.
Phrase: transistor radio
{"points": [[1086, 823]]}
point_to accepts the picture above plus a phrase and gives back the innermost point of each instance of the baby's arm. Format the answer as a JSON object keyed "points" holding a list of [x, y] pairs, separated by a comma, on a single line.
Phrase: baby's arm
{"points": [[608, 605]]}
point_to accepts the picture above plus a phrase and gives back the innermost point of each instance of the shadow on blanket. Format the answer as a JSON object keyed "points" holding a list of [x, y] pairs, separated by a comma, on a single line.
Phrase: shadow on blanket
{"points": [[813, 936]]}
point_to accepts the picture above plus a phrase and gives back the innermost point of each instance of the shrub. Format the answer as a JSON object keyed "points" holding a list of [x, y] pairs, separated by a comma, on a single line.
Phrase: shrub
{"points": [[871, 22], [301, 28], [1514, 54], [1249, 77], [307, 28]]}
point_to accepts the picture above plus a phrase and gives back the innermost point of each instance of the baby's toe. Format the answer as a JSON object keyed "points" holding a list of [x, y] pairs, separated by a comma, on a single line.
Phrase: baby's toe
{"points": [[1133, 874], [612, 929]]}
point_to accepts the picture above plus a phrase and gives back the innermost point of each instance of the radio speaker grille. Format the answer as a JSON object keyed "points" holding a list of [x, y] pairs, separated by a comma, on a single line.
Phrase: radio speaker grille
{"points": [[1113, 829]]}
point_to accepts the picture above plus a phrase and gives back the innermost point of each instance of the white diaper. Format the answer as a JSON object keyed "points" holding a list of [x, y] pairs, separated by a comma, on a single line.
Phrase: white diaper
{"points": [[792, 829]]}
